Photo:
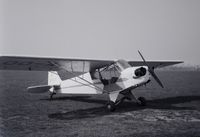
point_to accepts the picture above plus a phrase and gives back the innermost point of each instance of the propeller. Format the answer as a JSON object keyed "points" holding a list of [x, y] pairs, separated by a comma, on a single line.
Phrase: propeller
{"points": [[151, 71]]}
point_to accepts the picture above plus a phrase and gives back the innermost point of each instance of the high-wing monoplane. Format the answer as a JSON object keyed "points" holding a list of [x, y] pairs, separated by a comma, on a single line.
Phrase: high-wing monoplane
{"points": [[85, 76]]}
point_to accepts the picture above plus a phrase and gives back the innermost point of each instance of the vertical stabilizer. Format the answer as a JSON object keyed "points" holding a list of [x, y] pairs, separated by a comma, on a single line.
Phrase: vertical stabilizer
{"points": [[54, 78]]}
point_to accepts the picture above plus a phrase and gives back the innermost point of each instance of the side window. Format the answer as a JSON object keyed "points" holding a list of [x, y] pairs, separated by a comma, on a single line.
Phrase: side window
{"points": [[112, 71], [116, 72], [107, 73]]}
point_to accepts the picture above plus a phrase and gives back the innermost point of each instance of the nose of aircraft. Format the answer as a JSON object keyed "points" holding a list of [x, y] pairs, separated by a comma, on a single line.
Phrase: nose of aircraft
{"points": [[151, 71], [140, 72]]}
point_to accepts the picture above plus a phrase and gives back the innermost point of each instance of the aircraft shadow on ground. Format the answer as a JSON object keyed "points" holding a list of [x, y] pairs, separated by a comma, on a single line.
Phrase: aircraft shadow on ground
{"points": [[77, 98], [165, 103]]}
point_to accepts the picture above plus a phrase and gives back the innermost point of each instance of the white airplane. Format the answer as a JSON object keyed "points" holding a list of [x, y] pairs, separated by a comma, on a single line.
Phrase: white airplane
{"points": [[84, 76]]}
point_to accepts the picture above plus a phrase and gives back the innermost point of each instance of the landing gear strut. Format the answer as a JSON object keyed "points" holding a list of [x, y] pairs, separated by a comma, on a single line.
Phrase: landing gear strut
{"points": [[51, 95], [141, 101]]}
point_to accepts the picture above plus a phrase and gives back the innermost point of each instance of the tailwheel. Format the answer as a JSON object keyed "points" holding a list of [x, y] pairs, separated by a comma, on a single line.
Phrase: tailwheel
{"points": [[142, 101], [51, 95], [111, 106]]}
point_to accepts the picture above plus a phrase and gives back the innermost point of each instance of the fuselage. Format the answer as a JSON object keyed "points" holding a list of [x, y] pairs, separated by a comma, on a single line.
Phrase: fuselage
{"points": [[129, 78]]}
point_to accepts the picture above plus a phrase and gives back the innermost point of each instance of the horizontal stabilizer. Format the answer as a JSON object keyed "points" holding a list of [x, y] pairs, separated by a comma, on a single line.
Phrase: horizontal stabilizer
{"points": [[39, 89]]}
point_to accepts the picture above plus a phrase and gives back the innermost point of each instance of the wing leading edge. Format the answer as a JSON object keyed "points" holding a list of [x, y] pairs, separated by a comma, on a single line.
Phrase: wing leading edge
{"points": [[72, 65], [48, 64], [154, 64]]}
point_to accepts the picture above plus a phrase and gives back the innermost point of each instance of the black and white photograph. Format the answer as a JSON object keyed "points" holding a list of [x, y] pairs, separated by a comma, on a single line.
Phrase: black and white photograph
{"points": [[99, 68]]}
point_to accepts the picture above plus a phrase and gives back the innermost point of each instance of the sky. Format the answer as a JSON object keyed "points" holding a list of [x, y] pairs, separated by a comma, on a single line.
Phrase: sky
{"points": [[102, 29]]}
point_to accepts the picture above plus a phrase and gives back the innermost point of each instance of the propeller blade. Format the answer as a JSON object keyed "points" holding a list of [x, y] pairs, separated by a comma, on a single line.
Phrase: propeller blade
{"points": [[143, 58], [156, 78], [151, 71]]}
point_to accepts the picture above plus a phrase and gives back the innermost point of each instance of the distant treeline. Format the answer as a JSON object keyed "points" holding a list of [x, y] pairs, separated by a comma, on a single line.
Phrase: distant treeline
{"points": [[181, 68]]}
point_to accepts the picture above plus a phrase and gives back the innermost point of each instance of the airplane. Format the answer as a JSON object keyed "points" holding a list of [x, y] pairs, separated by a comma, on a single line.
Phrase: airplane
{"points": [[86, 76]]}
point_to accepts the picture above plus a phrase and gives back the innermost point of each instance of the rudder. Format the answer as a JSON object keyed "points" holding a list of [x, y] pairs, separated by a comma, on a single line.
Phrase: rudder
{"points": [[54, 78]]}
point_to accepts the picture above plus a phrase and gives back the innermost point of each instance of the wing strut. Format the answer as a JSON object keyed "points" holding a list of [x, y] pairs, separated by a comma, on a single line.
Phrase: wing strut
{"points": [[77, 82], [104, 91]]}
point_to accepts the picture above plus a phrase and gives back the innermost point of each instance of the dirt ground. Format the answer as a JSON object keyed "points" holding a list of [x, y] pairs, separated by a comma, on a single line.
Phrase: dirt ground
{"points": [[172, 111]]}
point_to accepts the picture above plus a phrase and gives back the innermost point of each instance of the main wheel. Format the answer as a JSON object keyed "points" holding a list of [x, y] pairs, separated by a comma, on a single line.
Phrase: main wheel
{"points": [[142, 101], [111, 106]]}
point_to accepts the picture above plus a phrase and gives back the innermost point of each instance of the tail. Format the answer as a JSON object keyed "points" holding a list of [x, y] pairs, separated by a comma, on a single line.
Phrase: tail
{"points": [[39, 89], [54, 78], [54, 81]]}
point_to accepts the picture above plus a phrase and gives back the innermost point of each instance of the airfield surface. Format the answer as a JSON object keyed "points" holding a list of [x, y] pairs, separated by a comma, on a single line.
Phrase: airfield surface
{"points": [[173, 111]]}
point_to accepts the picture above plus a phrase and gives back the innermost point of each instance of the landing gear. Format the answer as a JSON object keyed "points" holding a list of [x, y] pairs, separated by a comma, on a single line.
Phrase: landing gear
{"points": [[142, 101], [51, 95], [111, 106]]}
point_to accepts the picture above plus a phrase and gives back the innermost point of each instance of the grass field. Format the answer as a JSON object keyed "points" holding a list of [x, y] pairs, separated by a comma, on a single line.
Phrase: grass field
{"points": [[173, 111]]}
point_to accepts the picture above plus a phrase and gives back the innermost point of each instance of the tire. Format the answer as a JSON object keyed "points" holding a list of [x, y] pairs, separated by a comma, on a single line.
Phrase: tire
{"points": [[111, 106], [142, 101]]}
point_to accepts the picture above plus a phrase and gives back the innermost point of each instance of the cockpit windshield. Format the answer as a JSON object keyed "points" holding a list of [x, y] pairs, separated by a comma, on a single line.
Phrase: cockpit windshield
{"points": [[108, 74], [111, 71]]}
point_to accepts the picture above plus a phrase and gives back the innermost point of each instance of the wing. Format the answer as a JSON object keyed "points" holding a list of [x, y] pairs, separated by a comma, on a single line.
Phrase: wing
{"points": [[50, 64], [77, 66], [154, 64]]}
